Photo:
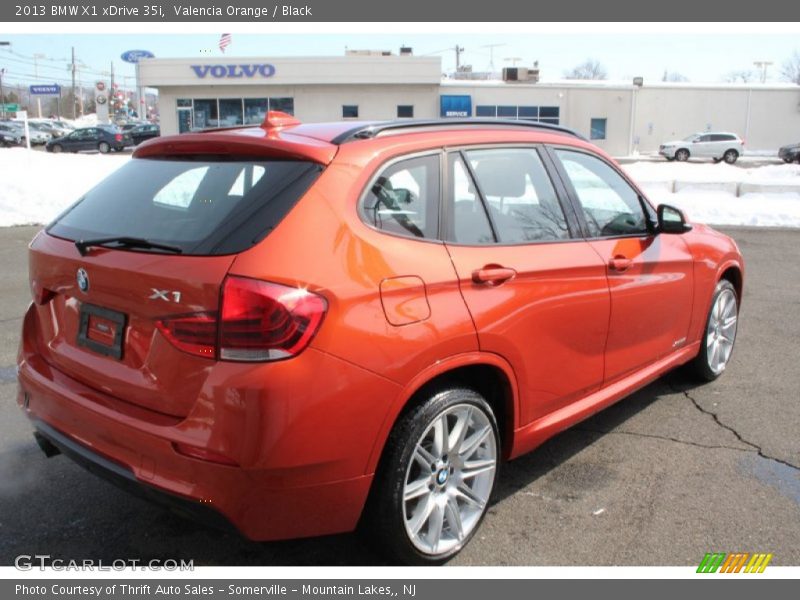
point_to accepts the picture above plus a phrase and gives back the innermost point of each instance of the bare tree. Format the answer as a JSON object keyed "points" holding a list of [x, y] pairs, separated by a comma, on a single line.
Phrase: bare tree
{"points": [[791, 68], [673, 76], [741, 76], [589, 69]]}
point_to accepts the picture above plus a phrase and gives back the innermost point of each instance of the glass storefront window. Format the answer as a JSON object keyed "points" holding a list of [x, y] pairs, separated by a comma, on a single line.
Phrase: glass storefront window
{"points": [[184, 103], [255, 109], [282, 104], [205, 113], [230, 112]]}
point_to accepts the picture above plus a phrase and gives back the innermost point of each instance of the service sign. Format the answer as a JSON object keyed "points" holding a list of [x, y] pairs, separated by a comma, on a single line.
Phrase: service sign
{"points": [[134, 56], [45, 90]]}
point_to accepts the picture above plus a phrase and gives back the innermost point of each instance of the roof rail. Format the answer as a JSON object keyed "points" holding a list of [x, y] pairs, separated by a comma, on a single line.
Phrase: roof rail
{"points": [[371, 130]]}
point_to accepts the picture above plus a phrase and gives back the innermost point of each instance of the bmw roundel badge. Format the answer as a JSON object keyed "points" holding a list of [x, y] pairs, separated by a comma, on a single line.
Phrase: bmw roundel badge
{"points": [[83, 280]]}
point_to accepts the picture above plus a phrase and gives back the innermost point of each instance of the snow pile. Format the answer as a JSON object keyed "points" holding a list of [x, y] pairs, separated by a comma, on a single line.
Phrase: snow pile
{"points": [[36, 186]]}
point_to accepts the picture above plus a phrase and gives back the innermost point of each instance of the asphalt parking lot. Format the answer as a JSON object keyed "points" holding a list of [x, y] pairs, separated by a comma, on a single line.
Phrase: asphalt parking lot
{"points": [[661, 478]]}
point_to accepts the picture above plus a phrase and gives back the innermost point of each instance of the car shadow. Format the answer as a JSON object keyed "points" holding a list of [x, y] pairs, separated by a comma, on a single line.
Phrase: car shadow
{"points": [[62, 511]]}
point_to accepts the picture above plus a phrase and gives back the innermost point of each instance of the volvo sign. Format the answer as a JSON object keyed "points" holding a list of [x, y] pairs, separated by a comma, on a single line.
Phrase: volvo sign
{"points": [[233, 71], [45, 90], [134, 56]]}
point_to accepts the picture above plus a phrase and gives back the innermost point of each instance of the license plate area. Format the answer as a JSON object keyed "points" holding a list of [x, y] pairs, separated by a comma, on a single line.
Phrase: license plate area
{"points": [[101, 330]]}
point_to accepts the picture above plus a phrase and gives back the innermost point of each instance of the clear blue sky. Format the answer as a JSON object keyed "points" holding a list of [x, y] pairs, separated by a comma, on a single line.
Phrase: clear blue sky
{"points": [[701, 58]]}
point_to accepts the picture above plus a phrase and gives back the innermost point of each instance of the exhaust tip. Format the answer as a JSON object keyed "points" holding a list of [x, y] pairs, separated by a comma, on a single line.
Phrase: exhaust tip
{"points": [[49, 448]]}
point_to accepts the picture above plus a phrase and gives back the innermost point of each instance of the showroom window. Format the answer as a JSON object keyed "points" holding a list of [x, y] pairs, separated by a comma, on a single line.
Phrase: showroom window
{"points": [[227, 112], [205, 113], [597, 129], [350, 111], [540, 114], [230, 112], [405, 111]]}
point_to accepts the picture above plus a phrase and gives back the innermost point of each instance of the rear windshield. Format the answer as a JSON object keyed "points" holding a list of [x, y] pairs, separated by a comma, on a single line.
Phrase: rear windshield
{"points": [[201, 206]]}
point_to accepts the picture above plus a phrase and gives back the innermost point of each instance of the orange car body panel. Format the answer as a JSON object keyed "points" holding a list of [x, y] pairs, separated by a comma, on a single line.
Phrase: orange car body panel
{"points": [[305, 435]]}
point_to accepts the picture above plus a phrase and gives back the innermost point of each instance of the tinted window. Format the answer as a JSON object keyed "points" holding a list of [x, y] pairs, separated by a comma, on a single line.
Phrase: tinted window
{"points": [[519, 194], [404, 199], [598, 129], [466, 213], [610, 205], [405, 111], [704, 138], [350, 111], [202, 207]]}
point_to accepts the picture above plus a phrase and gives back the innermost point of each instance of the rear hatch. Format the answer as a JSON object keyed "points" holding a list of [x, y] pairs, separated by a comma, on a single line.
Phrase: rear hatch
{"points": [[155, 241]]}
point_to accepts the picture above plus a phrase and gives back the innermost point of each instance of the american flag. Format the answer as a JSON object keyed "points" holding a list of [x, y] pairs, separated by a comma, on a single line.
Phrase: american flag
{"points": [[224, 42]]}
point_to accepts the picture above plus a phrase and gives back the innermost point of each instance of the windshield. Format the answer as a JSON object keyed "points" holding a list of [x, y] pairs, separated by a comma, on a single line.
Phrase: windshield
{"points": [[691, 138], [198, 206]]}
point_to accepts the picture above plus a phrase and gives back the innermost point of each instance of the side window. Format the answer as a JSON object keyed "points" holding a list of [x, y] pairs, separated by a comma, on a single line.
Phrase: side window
{"points": [[520, 197], [704, 138], [466, 213], [404, 199], [610, 205]]}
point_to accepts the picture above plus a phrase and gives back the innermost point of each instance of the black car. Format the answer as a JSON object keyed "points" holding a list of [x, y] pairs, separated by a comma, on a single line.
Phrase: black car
{"points": [[102, 138], [141, 133], [9, 138], [790, 153]]}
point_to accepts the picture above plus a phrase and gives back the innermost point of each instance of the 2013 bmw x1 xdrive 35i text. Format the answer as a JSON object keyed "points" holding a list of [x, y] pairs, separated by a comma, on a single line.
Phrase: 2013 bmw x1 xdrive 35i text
{"points": [[296, 328]]}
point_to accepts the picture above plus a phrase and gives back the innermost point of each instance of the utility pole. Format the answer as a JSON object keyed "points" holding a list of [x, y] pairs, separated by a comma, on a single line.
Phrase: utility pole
{"points": [[763, 65], [2, 95], [74, 98], [459, 50], [112, 95], [36, 58]]}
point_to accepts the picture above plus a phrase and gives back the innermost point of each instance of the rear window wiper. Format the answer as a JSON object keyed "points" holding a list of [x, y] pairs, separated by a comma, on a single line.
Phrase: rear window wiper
{"points": [[125, 242]]}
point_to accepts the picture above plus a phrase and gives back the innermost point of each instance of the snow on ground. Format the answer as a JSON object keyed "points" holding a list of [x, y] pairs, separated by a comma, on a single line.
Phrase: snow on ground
{"points": [[36, 186]]}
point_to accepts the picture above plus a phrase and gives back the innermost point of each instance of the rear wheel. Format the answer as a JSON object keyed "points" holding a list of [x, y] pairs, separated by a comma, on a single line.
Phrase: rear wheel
{"points": [[717, 343], [730, 156], [682, 155], [103, 147], [436, 479], [56, 148]]}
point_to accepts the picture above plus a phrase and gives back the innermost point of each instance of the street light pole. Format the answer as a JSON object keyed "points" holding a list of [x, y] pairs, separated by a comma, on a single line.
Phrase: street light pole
{"points": [[762, 65], [36, 57], [2, 94]]}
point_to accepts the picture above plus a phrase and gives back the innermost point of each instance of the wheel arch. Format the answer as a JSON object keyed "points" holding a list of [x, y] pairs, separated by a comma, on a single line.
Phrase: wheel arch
{"points": [[488, 374], [732, 272]]}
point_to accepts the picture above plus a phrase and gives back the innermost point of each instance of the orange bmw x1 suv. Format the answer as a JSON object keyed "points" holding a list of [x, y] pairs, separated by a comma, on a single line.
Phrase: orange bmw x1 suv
{"points": [[294, 328]]}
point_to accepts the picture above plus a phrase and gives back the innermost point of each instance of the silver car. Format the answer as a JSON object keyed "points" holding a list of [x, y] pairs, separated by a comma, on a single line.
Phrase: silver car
{"points": [[718, 145]]}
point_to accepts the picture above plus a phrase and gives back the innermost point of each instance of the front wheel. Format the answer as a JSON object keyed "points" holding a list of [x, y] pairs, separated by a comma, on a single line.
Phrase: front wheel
{"points": [[682, 155], [716, 345], [730, 156], [437, 478], [56, 148]]}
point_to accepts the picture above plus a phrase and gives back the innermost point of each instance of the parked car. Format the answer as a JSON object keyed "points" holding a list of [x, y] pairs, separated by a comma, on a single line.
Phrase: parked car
{"points": [[142, 133], [99, 138], [8, 139], [294, 328], [17, 128], [790, 153], [47, 127], [715, 145]]}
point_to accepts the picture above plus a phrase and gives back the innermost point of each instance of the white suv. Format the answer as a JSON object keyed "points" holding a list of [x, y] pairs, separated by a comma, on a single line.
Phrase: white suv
{"points": [[716, 145]]}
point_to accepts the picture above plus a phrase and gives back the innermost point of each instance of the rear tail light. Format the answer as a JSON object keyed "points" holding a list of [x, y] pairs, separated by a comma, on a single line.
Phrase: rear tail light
{"points": [[259, 321], [118, 137], [266, 321]]}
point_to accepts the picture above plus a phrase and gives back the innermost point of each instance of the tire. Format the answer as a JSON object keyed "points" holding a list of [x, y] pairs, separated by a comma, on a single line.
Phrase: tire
{"points": [[682, 155], [717, 337], [669, 158], [103, 147], [56, 148], [429, 498], [789, 160], [730, 156]]}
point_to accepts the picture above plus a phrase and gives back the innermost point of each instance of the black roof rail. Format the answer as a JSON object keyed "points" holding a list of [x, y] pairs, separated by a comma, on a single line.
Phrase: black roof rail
{"points": [[371, 130]]}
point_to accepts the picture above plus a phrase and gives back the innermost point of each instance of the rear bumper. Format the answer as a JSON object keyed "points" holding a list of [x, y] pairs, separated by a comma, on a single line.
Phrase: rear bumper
{"points": [[300, 432]]}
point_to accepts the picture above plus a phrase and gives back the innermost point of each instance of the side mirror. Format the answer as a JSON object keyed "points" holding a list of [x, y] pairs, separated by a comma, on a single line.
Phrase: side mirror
{"points": [[671, 220]]}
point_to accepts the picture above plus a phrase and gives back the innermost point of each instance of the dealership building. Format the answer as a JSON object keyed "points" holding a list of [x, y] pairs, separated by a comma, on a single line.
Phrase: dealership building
{"points": [[620, 117]]}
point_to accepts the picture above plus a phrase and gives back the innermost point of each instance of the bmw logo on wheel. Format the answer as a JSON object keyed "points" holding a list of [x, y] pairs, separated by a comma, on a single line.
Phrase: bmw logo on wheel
{"points": [[83, 280]]}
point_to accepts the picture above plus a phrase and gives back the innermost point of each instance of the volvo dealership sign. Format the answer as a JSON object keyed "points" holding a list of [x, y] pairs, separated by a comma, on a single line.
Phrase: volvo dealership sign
{"points": [[134, 56], [45, 90], [234, 71]]}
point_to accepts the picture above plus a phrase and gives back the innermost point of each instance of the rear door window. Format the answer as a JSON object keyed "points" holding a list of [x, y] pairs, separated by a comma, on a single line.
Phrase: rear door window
{"points": [[202, 207], [404, 198]]}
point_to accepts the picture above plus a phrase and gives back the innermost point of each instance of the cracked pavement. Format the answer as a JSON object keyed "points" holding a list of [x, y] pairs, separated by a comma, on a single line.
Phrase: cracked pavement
{"points": [[662, 477]]}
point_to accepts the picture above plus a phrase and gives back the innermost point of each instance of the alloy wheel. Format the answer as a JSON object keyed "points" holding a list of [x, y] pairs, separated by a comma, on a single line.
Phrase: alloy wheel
{"points": [[721, 331]]}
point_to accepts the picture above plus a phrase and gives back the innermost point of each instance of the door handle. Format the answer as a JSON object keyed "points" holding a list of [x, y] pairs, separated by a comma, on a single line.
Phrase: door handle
{"points": [[492, 275], [620, 263]]}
